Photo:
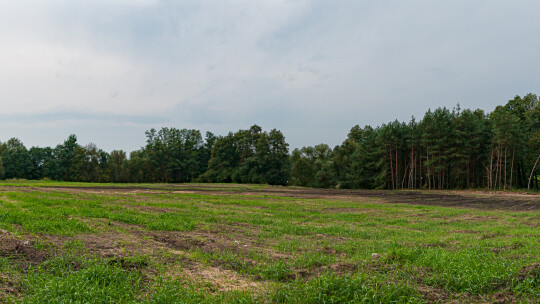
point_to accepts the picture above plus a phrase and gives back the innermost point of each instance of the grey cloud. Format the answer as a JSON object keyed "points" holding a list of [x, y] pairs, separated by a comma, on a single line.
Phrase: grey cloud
{"points": [[63, 116], [311, 68]]}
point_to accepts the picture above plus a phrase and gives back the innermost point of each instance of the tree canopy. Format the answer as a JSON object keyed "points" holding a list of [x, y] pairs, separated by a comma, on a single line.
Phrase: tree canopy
{"points": [[446, 149]]}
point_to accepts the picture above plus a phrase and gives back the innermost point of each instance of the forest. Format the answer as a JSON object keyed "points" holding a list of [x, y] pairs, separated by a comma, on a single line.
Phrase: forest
{"points": [[446, 149]]}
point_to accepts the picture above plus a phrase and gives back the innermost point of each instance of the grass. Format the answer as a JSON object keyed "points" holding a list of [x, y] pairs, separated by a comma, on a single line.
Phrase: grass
{"points": [[199, 243]]}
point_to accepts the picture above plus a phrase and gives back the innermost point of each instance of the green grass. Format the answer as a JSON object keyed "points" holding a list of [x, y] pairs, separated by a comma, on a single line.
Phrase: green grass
{"points": [[146, 186], [167, 246]]}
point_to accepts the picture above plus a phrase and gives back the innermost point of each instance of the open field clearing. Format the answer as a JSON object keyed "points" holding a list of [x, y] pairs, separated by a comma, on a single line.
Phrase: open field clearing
{"points": [[217, 243]]}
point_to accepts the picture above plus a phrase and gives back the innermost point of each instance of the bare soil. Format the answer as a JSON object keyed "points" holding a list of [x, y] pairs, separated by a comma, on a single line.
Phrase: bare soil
{"points": [[22, 251], [22, 254]]}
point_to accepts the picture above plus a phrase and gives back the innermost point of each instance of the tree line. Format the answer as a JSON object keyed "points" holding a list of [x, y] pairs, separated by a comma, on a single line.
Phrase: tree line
{"points": [[447, 149]]}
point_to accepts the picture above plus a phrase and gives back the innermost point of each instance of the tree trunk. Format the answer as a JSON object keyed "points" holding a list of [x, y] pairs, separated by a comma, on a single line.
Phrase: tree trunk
{"points": [[411, 174], [397, 175], [532, 171], [392, 170], [420, 163], [498, 169], [468, 173], [404, 175], [427, 170], [512, 167], [491, 171], [505, 153]]}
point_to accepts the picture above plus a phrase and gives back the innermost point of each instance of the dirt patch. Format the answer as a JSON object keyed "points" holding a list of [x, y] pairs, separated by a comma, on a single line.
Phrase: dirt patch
{"points": [[216, 278], [23, 255], [465, 231], [129, 264], [436, 245], [183, 242], [471, 218], [219, 242], [341, 268], [207, 242], [491, 235], [344, 210], [501, 297], [150, 209], [223, 279], [463, 199], [533, 222], [314, 271], [332, 251], [106, 245], [117, 244], [21, 251], [529, 272], [432, 294], [8, 287], [258, 207], [123, 240]]}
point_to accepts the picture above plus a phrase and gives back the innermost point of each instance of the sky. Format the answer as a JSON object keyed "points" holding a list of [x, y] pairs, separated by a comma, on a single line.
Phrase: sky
{"points": [[107, 70]]}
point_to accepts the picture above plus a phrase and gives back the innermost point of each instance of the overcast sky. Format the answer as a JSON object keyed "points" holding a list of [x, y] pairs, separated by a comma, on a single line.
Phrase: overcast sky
{"points": [[107, 70]]}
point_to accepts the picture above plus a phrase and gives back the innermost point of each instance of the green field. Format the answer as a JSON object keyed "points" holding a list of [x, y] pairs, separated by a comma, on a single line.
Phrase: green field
{"points": [[202, 243]]}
